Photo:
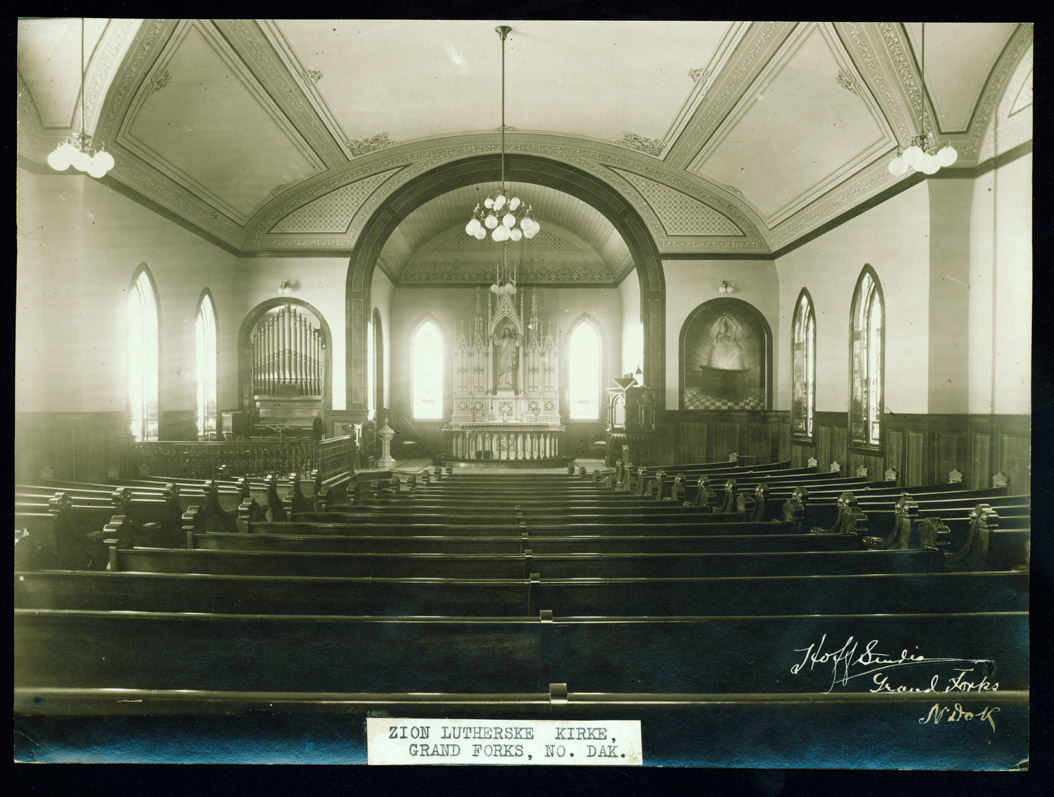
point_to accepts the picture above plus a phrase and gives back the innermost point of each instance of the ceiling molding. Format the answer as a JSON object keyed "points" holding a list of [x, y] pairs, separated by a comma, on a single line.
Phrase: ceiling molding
{"points": [[757, 47], [248, 40], [874, 61], [681, 214]]}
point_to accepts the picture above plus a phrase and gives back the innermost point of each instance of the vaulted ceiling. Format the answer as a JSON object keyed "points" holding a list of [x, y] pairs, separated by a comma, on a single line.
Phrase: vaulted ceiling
{"points": [[725, 137]]}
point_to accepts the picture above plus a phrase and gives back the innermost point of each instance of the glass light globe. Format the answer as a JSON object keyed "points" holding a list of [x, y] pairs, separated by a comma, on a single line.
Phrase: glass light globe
{"points": [[514, 203], [500, 233], [104, 159], [897, 166], [947, 155], [929, 165], [508, 220], [58, 159], [491, 221], [499, 201], [488, 203], [911, 156], [95, 168], [516, 233], [481, 233], [81, 161], [472, 226], [533, 231]]}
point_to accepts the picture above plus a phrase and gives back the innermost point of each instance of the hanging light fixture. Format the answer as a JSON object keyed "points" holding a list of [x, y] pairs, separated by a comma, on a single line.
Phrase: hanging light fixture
{"points": [[78, 150], [925, 154], [507, 218]]}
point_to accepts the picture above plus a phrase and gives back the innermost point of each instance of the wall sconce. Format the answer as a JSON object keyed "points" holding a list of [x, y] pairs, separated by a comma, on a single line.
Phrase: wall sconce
{"points": [[727, 287], [288, 286]]}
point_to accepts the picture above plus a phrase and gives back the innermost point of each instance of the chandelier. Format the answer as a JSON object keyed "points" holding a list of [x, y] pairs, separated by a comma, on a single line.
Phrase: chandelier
{"points": [[78, 150], [507, 218], [925, 154]]}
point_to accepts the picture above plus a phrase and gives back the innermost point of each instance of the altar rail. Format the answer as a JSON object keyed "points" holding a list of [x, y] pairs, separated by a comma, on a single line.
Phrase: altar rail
{"points": [[200, 460], [522, 444]]}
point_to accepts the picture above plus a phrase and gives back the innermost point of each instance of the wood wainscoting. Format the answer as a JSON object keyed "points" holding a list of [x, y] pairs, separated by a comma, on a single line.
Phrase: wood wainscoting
{"points": [[925, 448], [81, 446], [685, 436]]}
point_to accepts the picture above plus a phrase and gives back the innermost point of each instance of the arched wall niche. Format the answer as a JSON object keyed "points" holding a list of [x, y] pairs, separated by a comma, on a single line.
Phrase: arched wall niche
{"points": [[245, 350], [487, 168], [725, 357]]}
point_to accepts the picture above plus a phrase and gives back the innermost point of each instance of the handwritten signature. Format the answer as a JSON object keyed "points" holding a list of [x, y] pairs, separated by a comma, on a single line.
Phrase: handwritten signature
{"points": [[850, 661], [958, 714]]}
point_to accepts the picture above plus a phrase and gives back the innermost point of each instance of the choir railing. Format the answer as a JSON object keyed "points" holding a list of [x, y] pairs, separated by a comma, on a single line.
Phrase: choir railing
{"points": [[200, 460]]}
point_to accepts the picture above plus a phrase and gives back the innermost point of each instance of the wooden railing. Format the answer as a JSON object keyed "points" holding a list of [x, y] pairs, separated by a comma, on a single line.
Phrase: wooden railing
{"points": [[201, 460], [336, 456]]}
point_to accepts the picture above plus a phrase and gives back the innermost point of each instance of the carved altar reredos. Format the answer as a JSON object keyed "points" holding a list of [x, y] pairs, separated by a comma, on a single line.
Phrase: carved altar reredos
{"points": [[531, 395]]}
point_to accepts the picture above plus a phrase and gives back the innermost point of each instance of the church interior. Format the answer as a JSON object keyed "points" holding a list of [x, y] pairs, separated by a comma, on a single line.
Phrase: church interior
{"points": [[654, 303]]}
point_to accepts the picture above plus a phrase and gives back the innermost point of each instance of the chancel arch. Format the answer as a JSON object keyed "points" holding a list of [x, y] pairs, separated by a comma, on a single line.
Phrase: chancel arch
{"points": [[284, 364], [487, 168], [725, 357]]}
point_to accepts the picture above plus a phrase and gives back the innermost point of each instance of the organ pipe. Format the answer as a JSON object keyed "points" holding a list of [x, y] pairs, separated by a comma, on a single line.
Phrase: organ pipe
{"points": [[287, 352]]}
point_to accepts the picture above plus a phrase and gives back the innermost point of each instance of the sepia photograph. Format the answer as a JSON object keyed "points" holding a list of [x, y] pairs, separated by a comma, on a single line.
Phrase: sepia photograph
{"points": [[597, 393]]}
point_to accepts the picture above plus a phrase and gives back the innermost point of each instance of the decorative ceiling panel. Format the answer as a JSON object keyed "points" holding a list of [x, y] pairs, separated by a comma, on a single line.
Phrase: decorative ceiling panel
{"points": [[333, 212], [770, 147], [255, 132], [679, 213], [229, 144], [49, 60], [959, 57], [636, 76]]}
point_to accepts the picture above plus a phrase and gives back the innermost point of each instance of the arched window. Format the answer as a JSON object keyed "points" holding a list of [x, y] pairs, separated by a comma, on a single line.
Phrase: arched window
{"points": [[866, 364], [142, 343], [205, 339], [371, 390], [803, 388], [583, 370], [377, 359], [426, 372]]}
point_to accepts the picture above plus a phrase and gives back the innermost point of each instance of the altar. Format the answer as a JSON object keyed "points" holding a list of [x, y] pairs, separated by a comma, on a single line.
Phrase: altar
{"points": [[506, 381]]}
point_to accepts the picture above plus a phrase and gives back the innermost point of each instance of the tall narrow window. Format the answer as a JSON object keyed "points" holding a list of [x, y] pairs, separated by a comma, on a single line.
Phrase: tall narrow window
{"points": [[865, 408], [371, 371], [583, 370], [426, 358], [143, 372], [205, 338], [803, 390], [378, 360]]}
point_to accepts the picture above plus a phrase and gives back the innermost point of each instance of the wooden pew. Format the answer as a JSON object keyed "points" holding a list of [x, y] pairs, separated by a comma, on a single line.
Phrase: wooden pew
{"points": [[550, 565], [884, 593], [372, 654], [539, 543], [446, 525]]}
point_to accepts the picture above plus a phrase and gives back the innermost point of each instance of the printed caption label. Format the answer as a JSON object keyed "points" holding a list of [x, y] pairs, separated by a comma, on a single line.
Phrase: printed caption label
{"points": [[525, 742]]}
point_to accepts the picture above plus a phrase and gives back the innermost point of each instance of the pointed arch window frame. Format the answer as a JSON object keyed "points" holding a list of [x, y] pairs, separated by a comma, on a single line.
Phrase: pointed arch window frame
{"points": [[574, 374], [803, 350], [143, 351], [436, 365], [867, 357], [206, 366]]}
